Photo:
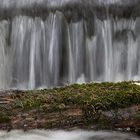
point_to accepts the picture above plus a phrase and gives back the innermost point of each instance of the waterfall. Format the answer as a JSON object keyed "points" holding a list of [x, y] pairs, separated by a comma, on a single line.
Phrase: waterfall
{"points": [[50, 43]]}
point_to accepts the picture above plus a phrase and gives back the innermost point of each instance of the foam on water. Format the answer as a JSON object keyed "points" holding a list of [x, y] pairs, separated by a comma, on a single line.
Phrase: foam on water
{"points": [[63, 135]]}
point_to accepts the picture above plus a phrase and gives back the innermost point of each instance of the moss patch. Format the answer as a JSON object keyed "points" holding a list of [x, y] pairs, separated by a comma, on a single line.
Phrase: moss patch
{"points": [[4, 118], [70, 106], [103, 96]]}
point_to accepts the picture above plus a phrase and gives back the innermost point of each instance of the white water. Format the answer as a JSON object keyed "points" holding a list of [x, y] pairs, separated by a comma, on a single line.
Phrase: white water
{"points": [[52, 52], [47, 52], [62, 135]]}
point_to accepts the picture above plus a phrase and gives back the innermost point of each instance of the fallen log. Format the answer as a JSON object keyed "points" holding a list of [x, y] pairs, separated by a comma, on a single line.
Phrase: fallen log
{"points": [[114, 106]]}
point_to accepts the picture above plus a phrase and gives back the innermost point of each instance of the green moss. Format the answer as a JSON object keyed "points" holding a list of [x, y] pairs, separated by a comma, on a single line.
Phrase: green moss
{"points": [[91, 99], [4, 118], [102, 96], [103, 122], [135, 117]]}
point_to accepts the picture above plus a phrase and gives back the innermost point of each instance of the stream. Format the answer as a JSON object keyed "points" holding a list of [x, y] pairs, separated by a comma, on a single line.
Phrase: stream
{"points": [[66, 135]]}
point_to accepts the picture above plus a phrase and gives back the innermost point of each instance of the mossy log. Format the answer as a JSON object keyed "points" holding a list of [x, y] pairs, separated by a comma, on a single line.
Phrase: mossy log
{"points": [[87, 106]]}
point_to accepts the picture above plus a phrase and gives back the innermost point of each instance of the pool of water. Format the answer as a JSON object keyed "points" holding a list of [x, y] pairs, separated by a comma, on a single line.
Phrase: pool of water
{"points": [[65, 135]]}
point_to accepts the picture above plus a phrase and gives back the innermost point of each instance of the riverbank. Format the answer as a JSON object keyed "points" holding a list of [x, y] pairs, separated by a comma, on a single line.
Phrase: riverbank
{"points": [[109, 106]]}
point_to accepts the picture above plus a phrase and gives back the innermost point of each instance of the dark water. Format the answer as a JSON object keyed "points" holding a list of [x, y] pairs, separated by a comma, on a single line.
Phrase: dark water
{"points": [[49, 43], [61, 135]]}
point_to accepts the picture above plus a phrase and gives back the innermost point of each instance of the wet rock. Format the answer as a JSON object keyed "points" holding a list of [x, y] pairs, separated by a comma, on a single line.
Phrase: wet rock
{"points": [[73, 10]]}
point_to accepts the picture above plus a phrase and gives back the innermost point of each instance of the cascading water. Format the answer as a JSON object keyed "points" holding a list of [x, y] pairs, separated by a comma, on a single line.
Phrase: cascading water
{"points": [[49, 43]]}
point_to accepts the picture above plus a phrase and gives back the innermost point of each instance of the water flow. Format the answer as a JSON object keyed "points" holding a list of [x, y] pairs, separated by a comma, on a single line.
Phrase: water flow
{"points": [[4, 25], [62, 135], [36, 52]]}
